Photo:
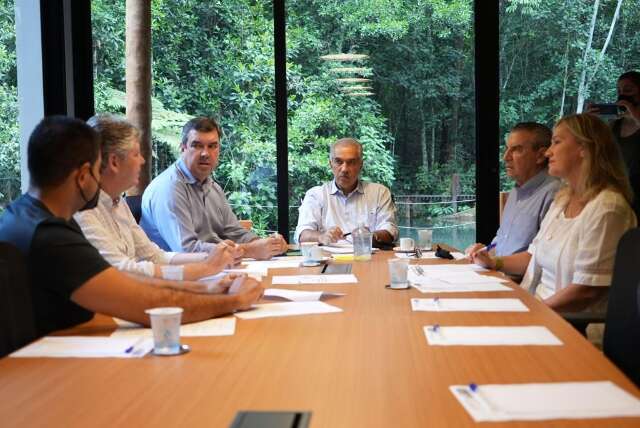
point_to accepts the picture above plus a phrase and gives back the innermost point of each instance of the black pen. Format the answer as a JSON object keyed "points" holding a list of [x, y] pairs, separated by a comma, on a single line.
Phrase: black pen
{"points": [[346, 234]]}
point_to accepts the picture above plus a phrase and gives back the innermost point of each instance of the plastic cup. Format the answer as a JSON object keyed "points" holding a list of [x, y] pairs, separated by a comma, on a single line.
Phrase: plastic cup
{"points": [[398, 269], [425, 239], [311, 253], [165, 324]]}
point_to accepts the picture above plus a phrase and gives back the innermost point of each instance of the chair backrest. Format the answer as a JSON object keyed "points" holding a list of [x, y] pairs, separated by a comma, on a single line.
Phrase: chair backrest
{"points": [[17, 326], [135, 205], [621, 340]]}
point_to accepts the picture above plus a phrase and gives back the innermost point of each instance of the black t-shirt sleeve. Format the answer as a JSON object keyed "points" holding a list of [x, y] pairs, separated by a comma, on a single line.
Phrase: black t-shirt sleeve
{"points": [[63, 258]]}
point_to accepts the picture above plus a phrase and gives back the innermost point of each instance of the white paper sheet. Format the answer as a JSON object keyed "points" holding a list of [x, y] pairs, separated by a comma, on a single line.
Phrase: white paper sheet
{"points": [[543, 401], [213, 327], [315, 279], [437, 286], [338, 250], [287, 309], [450, 267], [262, 266], [483, 336], [298, 295], [463, 277], [468, 305], [86, 347]]}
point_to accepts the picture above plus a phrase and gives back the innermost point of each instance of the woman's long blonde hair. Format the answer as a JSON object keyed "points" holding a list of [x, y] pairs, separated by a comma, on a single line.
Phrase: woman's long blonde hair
{"points": [[602, 167]]}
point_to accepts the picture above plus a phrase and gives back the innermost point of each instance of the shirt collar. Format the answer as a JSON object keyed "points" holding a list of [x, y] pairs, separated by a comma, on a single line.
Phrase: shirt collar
{"points": [[334, 188], [108, 201], [187, 177], [532, 184]]}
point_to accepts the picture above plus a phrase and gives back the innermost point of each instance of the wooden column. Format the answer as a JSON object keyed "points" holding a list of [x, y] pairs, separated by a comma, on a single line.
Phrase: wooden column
{"points": [[138, 77]]}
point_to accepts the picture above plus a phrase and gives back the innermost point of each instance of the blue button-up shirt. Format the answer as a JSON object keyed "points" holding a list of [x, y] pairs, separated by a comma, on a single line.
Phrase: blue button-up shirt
{"points": [[181, 214], [523, 213], [326, 206]]}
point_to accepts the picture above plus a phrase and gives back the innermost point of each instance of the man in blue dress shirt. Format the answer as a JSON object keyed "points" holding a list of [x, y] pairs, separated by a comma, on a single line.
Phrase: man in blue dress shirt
{"points": [[339, 206], [184, 210], [529, 200]]}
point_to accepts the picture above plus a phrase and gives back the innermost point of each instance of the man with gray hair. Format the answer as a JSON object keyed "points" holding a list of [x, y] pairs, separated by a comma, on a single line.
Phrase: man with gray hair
{"points": [[339, 206], [529, 200]]}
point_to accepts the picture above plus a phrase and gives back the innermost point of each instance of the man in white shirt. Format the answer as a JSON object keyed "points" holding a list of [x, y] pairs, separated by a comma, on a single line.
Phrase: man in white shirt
{"points": [[337, 207]]}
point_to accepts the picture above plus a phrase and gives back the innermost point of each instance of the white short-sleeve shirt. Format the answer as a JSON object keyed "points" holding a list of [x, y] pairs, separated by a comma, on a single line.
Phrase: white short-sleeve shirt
{"points": [[579, 250]]}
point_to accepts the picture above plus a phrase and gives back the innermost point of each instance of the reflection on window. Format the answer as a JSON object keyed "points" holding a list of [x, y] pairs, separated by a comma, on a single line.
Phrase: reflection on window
{"points": [[9, 130], [398, 76]]}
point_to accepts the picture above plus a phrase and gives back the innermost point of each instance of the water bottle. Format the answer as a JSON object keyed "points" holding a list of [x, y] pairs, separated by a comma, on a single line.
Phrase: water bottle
{"points": [[362, 237]]}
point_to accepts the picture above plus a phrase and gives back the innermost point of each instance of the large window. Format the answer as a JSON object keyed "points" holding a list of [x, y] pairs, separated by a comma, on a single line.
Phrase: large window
{"points": [[9, 131], [398, 76], [556, 56], [208, 59]]}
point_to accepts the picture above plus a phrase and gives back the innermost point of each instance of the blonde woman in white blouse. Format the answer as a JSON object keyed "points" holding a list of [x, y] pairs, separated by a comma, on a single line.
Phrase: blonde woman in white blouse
{"points": [[569, 264], [111, 228]]}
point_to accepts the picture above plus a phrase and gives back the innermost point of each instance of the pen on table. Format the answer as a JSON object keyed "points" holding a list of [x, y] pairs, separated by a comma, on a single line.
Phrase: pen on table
{"points": [[346, 234], [475, 391], [436, 301]]}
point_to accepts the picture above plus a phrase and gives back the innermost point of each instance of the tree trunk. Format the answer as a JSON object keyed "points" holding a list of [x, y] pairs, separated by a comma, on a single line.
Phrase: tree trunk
{"points": [[423, 140], [606, 42], [138, 80], [582, 88], [566, 77]]}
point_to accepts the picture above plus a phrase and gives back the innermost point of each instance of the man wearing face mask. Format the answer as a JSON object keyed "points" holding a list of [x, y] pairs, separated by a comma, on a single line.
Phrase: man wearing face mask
{"points": [[69, 278]]}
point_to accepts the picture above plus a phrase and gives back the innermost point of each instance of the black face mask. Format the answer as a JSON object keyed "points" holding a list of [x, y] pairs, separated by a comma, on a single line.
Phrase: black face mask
{"points": [[93, 202], [628, 98]]}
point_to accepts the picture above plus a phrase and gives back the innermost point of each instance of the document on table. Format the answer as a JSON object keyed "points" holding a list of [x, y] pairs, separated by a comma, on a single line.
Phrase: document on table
{"points": [[437, 286], [338, 250], [86, 347], [468, 305], [492, 336], [450, 267], [464, 277], [315, 279], [213, 327], [262, 266], [298, 295], [543, 401], [287, 309], [425, 255]]}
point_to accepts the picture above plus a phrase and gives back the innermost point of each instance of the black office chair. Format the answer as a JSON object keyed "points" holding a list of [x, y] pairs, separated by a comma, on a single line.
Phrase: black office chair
{"points": [[135, 205], [621, 340], [17, 326]]}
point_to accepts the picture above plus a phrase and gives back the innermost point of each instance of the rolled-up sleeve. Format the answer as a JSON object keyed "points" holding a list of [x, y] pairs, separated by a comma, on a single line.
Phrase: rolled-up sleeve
{"points": [[598, 243], [310, 212]]}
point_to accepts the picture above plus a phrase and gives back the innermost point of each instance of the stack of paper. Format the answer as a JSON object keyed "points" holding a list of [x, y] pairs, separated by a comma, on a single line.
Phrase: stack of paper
{"points": [[87, 347], [490, 336], [298, 295], [435, 279], [468, 305], [287, 309], [315, 279], [543, 401], [213, 327]]}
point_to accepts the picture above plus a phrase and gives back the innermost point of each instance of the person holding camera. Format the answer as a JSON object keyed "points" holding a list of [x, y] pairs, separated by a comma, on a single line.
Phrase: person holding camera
{"points": [[626, 128]]}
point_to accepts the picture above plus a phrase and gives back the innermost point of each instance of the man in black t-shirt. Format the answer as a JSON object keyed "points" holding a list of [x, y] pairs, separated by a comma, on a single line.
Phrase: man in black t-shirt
{"points": [[69, 278]]}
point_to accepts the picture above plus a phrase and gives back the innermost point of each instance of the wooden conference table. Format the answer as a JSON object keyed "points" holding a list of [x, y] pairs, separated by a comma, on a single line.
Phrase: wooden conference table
{"points": [[369, 366]]}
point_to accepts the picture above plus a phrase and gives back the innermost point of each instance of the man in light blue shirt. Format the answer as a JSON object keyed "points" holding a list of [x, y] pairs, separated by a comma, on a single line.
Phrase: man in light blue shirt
{"points": [[183, 209], [534, 191], [337, 207]]}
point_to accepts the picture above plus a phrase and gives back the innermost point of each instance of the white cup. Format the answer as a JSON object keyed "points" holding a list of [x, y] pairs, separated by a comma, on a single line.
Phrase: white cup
{"points": [[311, 253], [425, 237], [407, 244], [165, 324], [398, 269]]}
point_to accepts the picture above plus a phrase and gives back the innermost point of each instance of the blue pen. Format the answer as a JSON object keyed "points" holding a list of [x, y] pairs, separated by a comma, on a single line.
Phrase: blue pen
{"points": [[488, 247], [436, 301], [129, 349], [475, 390]]}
